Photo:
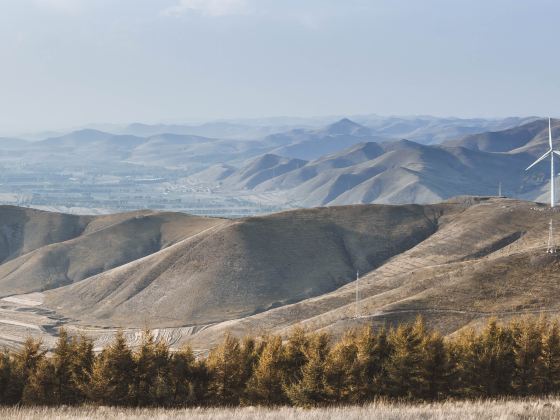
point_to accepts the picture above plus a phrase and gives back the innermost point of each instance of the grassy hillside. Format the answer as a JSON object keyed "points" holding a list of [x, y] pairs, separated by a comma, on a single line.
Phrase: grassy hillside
{"points": [[193, 279], [48, 250], [486, 259], [248, 266]]}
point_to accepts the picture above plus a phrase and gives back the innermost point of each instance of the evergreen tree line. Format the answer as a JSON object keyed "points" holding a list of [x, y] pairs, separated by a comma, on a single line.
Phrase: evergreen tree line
{"points": [[409, 361]]}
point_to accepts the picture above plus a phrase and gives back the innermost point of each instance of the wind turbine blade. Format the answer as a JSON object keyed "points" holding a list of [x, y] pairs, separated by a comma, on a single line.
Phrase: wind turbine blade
{"points": [[549, 134], [557, 152], [538, 160]]}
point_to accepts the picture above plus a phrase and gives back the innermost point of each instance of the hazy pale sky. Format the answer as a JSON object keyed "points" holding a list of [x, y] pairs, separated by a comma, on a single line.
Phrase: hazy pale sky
{"points": [[71, 62]]}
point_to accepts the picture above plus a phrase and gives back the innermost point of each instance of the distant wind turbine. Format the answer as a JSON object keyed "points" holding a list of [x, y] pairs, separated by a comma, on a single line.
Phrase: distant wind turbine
{"points": [[550, 153]]}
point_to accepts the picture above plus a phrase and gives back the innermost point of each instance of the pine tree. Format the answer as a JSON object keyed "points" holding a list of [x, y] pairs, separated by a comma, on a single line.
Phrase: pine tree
{"points": [[226, 369], [436, 367], [373, 351], [25, 363], [41, 385], [404, 366], [484, 363], [6, 372], [295, 355], [266, 383], [112, 374], [162, 388], [201, 380], [550, 366], [82, 365], [251, 351], [527, 356], [342, 371], [463, 355], [65, 391], [310, 390], [152, 385], [496, 364], [58, 379], [183, 378]]}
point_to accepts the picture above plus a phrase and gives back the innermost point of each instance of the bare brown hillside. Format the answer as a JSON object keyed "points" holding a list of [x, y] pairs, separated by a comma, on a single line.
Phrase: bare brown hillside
{"points": [[487, 260], [249, 266], [192, 279], [23, 230], [63, 249]]}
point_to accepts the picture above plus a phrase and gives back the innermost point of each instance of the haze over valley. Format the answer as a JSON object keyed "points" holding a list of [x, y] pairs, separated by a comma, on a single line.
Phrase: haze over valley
{"points": [[239, 168]]}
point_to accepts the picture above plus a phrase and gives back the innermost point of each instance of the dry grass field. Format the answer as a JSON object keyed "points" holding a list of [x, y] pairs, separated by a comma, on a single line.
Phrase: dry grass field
{"points": [[464, 410]]}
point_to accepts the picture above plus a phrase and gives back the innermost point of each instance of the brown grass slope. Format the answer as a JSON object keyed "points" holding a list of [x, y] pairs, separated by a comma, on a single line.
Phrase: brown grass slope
{"points": [[485, 260], [456, 263], [23, 230], [101, 244], [248, 266]]}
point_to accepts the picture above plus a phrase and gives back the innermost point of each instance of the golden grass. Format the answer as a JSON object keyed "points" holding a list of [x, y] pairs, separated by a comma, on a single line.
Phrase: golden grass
{"points": [[544, 408]]}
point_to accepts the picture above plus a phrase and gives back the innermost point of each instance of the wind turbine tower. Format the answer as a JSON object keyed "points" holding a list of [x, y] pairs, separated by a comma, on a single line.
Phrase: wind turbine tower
{"points": [[551, 248]]}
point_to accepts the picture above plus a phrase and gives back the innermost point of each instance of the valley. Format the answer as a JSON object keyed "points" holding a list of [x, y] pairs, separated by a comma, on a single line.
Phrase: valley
{"points": [[236, 170]]}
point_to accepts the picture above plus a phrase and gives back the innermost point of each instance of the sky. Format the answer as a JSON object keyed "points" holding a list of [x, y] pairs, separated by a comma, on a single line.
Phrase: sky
{"points": [[66, 63]]}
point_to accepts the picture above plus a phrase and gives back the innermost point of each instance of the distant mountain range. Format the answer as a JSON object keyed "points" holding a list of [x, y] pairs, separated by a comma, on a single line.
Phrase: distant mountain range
{"points": [[434, 130], [343, 162], [396, 172], [422, 129]]}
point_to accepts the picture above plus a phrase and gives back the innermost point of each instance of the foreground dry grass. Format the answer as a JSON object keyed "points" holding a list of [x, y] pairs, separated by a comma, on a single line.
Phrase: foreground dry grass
{"points": [[546, 408]]}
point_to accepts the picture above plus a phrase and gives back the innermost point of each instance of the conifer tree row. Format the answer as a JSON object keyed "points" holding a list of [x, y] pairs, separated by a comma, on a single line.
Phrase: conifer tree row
{"points": [[407, 361]]}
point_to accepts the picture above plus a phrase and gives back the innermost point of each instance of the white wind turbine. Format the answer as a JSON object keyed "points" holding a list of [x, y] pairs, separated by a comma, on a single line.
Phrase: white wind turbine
{"points": [[550, 153]]}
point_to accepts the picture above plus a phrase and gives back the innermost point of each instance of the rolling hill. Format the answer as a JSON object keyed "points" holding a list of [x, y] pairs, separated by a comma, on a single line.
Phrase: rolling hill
{"points": [[247, 266], [192, 279], [42, 250], [486, 258]]}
